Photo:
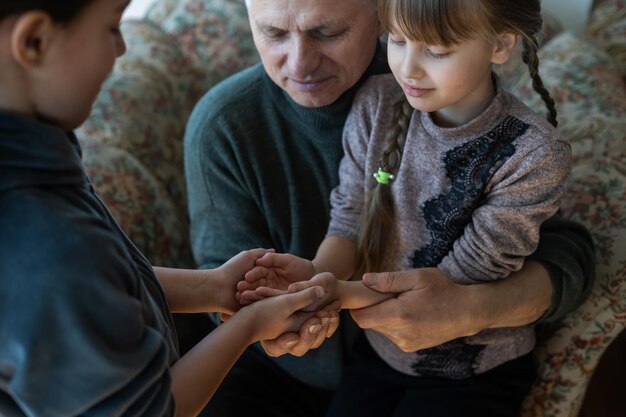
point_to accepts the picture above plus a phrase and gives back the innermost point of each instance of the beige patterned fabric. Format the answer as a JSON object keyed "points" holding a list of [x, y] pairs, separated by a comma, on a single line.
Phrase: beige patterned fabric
{"points": [[133, 144]]}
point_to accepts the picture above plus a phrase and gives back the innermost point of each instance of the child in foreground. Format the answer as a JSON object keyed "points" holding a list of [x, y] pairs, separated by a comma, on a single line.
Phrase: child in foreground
{"points": [[443, 169], [85, 323]]}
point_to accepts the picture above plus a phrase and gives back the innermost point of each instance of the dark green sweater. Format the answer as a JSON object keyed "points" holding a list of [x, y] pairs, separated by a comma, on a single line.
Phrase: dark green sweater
{"points": [[260, 169]]}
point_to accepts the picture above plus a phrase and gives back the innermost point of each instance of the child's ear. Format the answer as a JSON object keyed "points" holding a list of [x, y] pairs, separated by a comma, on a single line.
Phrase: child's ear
{"points": [[505, 43], [30, 38]]}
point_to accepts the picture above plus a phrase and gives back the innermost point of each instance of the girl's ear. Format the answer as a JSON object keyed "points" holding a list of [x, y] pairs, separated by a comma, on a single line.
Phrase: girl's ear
{"points": [[505, 43], [31, 38]]}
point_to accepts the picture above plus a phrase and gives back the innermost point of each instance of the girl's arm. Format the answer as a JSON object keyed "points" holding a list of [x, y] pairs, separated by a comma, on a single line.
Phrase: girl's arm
{"points": [[278, 271], [336, 255], [350, 294]]}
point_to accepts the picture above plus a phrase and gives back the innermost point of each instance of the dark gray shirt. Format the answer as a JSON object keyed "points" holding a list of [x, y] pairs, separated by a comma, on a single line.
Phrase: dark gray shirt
{"points": [[84, 325]]}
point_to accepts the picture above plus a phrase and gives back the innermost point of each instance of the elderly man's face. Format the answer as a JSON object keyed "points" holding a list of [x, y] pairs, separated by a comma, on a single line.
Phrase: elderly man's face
{"points": [[315, 49]]}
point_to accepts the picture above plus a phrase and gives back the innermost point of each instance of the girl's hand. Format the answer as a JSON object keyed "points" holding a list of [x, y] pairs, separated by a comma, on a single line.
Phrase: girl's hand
{"points": [[326, 280], [274, 271]]}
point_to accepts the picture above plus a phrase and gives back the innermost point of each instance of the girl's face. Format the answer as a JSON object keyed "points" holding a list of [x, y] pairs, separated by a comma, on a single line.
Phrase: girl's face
{"points": [[81, 56], [452, 83]]}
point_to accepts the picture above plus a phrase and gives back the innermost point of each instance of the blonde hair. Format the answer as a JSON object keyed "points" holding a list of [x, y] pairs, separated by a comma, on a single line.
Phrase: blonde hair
{"points": [[440, 22]]}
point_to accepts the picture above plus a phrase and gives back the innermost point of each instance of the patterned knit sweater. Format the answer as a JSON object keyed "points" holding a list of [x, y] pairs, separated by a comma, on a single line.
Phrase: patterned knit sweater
{"points": [[469, 200]]}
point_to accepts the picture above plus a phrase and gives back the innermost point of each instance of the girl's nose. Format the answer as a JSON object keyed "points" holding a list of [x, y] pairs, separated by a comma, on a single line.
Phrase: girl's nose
{"points": [[412, 64]]}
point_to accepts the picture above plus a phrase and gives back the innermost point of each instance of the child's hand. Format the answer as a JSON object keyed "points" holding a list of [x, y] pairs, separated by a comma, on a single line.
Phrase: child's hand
{"points": [[232, 272], [326, 280], [274, 271], [275, 316]]}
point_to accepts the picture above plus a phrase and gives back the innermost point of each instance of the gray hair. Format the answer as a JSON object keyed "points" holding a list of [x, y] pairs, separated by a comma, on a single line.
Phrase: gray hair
{"points": [[372, 4]]}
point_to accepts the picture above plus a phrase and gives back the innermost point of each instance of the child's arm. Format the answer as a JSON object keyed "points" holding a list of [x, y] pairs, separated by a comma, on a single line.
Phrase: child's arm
{"points": [[199, 291], [338, 256], [197, 375], [351, 294]]}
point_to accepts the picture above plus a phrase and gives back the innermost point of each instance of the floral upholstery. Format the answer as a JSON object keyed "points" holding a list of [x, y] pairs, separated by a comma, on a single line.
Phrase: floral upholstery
{"points": [[133, 144], [607, 26], [586, 79]]}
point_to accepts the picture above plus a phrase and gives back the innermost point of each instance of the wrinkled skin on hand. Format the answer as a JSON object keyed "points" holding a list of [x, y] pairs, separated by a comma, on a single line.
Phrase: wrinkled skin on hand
{"points": [[429, 310]]}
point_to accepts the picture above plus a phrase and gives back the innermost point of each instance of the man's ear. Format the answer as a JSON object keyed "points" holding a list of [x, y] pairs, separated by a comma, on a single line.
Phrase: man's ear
{"points": [[505, 44], [381, 29], [31, 38]]}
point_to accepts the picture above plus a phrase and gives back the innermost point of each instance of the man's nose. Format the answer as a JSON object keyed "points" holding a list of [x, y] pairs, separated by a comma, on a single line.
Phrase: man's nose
{"points": [[303, 58]]}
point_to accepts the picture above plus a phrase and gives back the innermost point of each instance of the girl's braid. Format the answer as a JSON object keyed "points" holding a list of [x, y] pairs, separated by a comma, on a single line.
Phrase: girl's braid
{"points": [[532, 61]]}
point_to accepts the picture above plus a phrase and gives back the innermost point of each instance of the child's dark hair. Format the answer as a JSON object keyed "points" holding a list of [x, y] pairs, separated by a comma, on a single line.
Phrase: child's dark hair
{"points": [[441, 22], [62, 11]]}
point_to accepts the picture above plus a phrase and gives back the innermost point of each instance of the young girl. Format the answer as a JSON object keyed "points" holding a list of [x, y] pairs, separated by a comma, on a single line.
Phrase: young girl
{"points": [[85, 327], [447, 170]]}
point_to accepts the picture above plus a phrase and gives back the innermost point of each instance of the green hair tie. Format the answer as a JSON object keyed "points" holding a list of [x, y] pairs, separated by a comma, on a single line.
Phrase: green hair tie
{"points": [[383, 177]]}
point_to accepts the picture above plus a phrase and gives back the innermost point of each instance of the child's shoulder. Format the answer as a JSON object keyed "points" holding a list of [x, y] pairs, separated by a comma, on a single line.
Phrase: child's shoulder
{"points": [[540, 129], [49, 239], [378, 91], [381, 87]]}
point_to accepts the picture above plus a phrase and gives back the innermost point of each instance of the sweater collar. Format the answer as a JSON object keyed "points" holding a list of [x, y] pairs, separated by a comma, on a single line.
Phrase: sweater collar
{"points": [[36, 154]]}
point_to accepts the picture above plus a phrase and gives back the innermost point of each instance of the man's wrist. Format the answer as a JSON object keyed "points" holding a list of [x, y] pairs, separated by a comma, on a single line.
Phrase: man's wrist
{"points": [[486, 304], [518, 300]]}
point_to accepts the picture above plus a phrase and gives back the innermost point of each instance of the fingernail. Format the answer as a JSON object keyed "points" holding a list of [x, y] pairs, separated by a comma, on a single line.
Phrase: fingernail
{"points": [[315, 328], [325, 321], [291, 343]]}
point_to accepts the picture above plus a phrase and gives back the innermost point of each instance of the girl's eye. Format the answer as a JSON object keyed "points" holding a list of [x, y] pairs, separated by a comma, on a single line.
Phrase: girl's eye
{"points": [[393, 41], [437, 54]]}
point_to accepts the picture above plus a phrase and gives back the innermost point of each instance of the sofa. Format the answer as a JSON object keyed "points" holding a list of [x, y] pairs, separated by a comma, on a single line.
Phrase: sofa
{"points": [[133, 153]]}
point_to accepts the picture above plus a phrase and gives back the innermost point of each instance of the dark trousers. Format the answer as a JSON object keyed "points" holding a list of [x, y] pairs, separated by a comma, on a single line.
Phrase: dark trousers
{"points": [[370, 387], [255, 386]]}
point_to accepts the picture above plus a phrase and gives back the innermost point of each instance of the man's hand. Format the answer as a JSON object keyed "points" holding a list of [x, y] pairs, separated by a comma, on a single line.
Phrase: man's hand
{"points": [[275, 271], [430, 309]]}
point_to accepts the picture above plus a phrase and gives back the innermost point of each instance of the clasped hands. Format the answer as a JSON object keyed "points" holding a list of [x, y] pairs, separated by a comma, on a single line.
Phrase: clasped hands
{"points": [[278, 274], [421, 307]]}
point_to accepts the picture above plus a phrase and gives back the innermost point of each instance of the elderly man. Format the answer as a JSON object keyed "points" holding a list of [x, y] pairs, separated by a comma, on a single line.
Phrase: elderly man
{"points": [[262, 156]]}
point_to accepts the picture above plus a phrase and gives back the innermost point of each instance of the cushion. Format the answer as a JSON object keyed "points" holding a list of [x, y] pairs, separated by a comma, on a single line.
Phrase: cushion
{"points": [[132, 143], [159, 10], [596, 199], [589, 93], [214, 36], [140, 204], [607, 27], [144, 105]]}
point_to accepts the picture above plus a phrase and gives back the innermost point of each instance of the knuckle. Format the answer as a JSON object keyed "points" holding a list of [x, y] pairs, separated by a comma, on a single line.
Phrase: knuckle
{"points": [[406, 347]]}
